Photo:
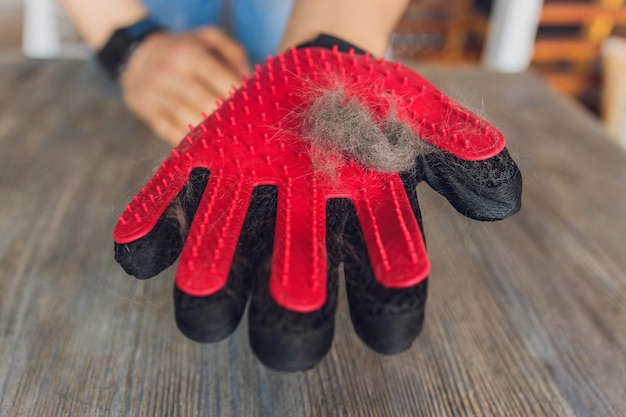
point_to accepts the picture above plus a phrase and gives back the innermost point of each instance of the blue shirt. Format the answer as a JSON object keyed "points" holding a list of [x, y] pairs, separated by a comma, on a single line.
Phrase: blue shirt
{"points": [[257, 24]]}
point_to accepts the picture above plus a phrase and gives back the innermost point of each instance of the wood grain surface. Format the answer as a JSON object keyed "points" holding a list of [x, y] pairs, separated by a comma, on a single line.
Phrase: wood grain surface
{"points": [[526, 317]]}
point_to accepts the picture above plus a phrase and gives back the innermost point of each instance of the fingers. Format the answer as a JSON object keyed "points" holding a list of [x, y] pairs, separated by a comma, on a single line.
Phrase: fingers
{"points": [[211, 71], [148, 256], [283, 339], [391, 233], [168, 130], [172, 79], [486, 190], [443, 123], [212, 318], [230, 51], [172, 126], [387, 319], [175, 115]]}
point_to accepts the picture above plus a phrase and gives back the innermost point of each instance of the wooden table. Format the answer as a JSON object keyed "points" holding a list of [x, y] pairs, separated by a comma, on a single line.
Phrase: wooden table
{"points": [[526, 317]]}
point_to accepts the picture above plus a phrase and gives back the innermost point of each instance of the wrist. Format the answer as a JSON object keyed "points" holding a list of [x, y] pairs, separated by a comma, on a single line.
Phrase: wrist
{"points": [[121, 45], [367, 23]]}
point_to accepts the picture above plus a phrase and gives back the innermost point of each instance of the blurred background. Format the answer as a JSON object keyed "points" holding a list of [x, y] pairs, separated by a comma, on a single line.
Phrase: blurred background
{"points": [[577, 46]]}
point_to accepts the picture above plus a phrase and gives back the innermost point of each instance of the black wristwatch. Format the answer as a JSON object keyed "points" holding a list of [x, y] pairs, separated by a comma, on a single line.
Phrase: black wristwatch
{"points": [[120, 46]]}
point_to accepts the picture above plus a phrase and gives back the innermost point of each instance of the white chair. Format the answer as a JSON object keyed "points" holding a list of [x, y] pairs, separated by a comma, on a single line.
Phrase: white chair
{"points": [[511, 36], [41, 34]]}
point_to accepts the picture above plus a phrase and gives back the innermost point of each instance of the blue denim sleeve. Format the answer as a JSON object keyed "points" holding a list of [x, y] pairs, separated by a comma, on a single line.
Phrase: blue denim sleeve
{"points": [[257, 24], [182, 15]]}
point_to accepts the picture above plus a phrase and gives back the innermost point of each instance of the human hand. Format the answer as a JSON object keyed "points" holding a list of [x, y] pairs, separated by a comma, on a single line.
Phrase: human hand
{"points": [[171, 79], [255, 213]]}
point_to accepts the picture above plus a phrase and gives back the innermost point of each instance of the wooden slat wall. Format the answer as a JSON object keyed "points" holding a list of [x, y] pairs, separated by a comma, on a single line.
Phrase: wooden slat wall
{"points": [[567, 50], [568, 55], [436, 30], [576, 12]]}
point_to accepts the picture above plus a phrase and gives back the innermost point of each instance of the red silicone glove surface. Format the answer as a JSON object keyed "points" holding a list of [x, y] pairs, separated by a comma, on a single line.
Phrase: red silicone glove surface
{"points": [[253, 139]]}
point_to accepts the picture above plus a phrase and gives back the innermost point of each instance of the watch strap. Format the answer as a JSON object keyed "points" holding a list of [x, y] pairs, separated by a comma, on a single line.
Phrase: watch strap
{"points": [[115, 54], [328, 41]]}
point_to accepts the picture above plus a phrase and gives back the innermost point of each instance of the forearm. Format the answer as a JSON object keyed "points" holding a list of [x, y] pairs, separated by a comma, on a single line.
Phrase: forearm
{"points": [[97, 20], [365, 23]]}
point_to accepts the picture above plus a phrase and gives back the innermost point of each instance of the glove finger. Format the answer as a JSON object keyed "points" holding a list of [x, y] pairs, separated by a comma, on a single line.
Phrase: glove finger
{"points": [[486, 190], [212, 318], [386, 319], [286, 340], [159, 248]]}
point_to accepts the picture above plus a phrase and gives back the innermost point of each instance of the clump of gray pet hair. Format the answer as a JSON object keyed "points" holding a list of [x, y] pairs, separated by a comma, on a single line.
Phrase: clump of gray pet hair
{"points": [[334, 123]]}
